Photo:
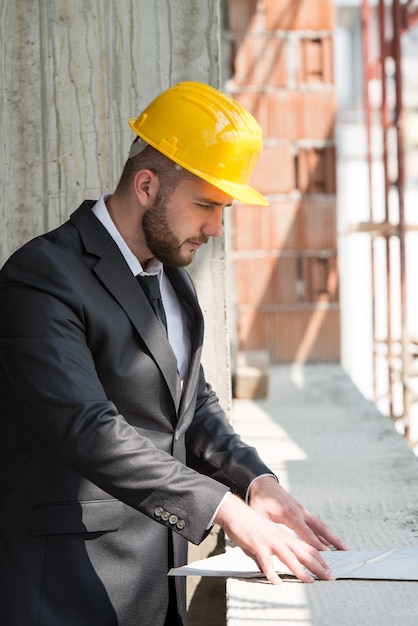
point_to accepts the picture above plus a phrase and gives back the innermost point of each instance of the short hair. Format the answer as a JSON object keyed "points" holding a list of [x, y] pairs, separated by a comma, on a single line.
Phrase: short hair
{"points": [[167, 171]]}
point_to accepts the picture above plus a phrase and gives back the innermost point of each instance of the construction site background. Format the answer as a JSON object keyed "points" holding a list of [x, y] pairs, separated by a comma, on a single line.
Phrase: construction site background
{"points": [[324, 276]]}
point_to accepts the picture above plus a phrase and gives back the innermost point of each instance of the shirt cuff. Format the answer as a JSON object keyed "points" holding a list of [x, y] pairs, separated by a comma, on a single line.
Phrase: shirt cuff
{"points": [[228, 493], [247, 495]]}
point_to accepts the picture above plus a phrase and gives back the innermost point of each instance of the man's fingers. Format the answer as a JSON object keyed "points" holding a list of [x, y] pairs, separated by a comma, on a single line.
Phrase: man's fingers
{"points": [[313, 561], [325, 534], [315, 532], [305, 562], [338, 544], [318, 567], [304, 530], [296, 567], [266, 566], [332, 540], [302, 561]]}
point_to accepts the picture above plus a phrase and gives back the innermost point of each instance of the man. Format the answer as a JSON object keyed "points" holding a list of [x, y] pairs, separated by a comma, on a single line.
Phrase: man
{"points": [[115, 451]]}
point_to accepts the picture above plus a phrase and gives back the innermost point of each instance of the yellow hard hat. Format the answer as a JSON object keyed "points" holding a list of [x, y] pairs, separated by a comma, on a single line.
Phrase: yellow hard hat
{"points": [[206, 132]]}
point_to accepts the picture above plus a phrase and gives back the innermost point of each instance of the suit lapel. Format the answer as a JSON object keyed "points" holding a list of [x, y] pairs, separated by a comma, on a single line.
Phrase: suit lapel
{"points": [[116, 276]]}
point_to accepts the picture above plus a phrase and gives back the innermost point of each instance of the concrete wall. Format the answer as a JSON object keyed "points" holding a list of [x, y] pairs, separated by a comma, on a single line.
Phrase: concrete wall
{"points": [[73, 72]]}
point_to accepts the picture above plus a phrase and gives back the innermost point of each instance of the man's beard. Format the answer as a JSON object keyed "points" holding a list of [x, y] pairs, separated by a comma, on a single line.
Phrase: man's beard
{"points": [[160, 239]]}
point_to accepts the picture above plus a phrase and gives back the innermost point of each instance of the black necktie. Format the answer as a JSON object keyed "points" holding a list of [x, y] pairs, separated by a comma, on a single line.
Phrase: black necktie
{"points": [[151, 288]]}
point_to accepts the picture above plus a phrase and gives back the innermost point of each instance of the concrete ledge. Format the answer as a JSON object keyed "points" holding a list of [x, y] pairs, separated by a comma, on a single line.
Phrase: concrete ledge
{"points": [[340, 457]]}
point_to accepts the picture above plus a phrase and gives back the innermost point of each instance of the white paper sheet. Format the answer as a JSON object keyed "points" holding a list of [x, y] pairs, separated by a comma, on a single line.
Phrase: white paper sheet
{"points": [[386, 564]]}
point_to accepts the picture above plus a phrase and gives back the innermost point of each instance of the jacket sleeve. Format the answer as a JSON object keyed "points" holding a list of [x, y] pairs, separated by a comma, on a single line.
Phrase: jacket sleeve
{"points": [[54, 405], [215, 449]]}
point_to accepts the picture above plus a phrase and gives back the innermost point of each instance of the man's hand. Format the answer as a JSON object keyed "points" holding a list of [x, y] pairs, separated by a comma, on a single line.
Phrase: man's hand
{"points": [[261, 538], [257, 529], [271, 500]]}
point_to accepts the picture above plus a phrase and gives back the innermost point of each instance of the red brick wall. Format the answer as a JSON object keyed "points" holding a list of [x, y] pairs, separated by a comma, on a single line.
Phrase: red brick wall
{"points": [[286, 254]]}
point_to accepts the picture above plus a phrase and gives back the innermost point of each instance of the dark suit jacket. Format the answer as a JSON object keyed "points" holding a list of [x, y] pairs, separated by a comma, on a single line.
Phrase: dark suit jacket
{"points": [[101, 457]]}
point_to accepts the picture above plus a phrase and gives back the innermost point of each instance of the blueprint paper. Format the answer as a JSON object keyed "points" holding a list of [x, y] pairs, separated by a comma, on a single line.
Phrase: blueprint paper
{"points": [[385, 564]]}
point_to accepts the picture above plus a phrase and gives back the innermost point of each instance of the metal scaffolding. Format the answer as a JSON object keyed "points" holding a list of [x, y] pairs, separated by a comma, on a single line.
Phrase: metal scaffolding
{"points": [[383, 26]]}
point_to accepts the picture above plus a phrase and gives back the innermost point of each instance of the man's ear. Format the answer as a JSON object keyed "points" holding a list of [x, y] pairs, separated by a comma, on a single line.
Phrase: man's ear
{"points": [[146, 185]]}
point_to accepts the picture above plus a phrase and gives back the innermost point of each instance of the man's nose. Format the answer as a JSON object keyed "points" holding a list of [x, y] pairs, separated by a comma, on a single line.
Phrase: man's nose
{"points": [[213, 225]]}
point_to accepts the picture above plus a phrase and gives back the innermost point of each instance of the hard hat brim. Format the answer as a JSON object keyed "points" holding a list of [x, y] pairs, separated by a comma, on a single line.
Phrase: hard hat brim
{"points": [[243, 193]]}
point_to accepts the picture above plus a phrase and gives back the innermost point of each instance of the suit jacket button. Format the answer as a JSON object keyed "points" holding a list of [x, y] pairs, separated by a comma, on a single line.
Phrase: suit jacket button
{"points": [[158, 511], [173, 519], [181, 524], [165, 515]]}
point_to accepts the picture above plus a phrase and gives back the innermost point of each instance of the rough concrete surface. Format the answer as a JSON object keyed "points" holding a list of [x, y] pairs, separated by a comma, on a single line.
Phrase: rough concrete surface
{"points": [[344, 461]]}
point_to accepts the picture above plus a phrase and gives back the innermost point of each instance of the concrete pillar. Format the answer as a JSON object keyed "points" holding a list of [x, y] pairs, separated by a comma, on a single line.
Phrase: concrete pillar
{"points": [[73, 73]]}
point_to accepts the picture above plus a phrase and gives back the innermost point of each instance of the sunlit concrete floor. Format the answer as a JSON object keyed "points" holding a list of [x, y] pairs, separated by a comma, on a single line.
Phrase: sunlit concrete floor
{"points": [[343, 460]]}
